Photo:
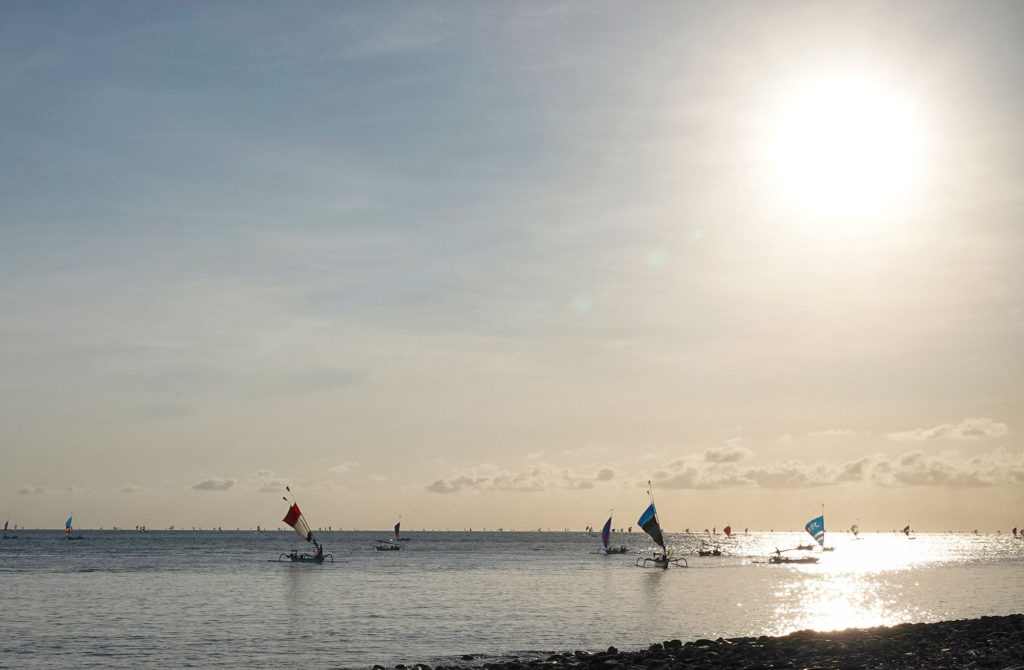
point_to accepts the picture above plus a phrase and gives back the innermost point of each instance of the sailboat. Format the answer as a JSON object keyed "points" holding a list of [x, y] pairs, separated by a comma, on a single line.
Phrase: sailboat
{"points": [[295, 519], [389, 545], [6, 536], [67, 531], [649, 522], [816, 528], [606, 540], [855, 529], [397, 526], [906, 531]]}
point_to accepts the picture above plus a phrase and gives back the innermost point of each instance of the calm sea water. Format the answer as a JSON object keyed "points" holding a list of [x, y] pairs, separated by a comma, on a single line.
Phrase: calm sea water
{"points": [[205, 599]]}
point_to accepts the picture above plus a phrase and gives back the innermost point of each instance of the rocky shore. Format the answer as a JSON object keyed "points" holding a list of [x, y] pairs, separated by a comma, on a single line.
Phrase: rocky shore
{"points": [[988, 642]]}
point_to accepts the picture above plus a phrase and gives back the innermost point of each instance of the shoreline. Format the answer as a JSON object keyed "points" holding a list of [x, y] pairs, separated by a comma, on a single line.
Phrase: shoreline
{"points": [[986, 642]]}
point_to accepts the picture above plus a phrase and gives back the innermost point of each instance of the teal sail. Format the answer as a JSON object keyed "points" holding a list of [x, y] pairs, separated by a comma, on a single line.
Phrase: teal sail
{"points": [[816, 527], [649, 522]]}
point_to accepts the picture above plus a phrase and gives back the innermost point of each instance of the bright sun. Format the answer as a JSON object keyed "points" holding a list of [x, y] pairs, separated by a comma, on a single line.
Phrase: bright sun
{"points": [[844, 147]]}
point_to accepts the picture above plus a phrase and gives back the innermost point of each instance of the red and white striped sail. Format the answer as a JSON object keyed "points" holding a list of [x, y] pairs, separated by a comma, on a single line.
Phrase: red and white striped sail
{"points": [[295, 520]]}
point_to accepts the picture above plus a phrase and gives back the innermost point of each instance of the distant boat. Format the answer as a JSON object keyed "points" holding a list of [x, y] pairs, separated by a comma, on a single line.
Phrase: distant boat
{"points": [[606, 540], [649, 522], [778, 558], [6, 536], [855, 529], [67, 531], [727, 530], [906, 531], [295, 519], [386, 545], [397, 527], [706, 549]]}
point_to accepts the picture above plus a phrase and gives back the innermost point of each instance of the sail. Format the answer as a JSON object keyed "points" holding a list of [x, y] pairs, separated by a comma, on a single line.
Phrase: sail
{"points": [[816, 527], [855, 529], [906, 530], [67, 524], [606, 533], [295, 520], [396, 529], [649, 522], [5, 528], [728, 531]]}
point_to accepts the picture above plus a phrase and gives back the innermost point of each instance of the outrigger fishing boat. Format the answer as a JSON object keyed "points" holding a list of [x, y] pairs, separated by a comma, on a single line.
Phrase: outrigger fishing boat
{"points": [[649, 522], [386, 545], [397, 527], [777, 557], [705, 549], [295, 519], [606, 540], [67, 531]]}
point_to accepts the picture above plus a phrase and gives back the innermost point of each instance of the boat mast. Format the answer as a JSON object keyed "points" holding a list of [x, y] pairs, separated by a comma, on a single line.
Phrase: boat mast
{"points": [[650, 493]]}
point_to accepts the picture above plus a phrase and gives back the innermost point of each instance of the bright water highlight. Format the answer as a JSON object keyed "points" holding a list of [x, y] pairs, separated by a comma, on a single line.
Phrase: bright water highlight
{"points": [[204, 599]]}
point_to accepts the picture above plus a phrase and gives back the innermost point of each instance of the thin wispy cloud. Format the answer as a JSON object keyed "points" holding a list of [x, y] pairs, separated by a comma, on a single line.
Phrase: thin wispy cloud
{"points": [[979, 428], [32, 490], [541, 477], [214, 484]]}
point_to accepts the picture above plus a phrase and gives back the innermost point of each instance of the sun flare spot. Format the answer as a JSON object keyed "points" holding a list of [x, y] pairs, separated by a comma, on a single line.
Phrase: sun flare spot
{"points": [[844, 147]]}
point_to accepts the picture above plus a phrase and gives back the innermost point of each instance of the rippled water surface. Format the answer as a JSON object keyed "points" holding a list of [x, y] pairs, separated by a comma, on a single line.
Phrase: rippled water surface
{"points": [[204, 599]]}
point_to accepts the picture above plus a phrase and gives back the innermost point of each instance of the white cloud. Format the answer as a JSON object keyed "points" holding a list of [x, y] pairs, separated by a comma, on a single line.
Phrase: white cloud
{"points": [[129, 488], [913, 468], [728, 453], [214, 484], [978, 428]]}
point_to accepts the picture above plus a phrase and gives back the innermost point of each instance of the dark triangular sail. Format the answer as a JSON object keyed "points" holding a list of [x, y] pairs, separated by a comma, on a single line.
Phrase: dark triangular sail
{"points": [[649, 522]]}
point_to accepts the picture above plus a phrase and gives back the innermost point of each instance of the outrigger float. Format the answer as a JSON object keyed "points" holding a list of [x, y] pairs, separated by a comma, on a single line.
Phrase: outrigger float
{"points": [[295, 519], [649, 522]]}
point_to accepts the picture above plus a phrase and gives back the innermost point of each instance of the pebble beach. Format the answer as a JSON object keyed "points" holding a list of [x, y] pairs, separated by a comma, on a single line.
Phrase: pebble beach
{"points": [[986, 642]]}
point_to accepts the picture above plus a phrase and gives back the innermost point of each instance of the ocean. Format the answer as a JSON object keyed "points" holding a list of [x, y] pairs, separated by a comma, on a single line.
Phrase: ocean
{"points": [[221, 599]]}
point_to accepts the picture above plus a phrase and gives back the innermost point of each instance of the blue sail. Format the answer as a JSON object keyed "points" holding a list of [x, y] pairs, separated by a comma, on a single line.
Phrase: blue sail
{"points": [[606, 532], [649, 522], [67, 524], [816, 527]]}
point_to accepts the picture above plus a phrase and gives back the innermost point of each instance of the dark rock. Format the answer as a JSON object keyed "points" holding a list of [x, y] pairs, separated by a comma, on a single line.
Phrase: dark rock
{"points": [[612, 650]]}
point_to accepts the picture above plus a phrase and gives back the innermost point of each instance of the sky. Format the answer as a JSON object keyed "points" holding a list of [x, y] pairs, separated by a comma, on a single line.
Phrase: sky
{"points": [[500, 265]]}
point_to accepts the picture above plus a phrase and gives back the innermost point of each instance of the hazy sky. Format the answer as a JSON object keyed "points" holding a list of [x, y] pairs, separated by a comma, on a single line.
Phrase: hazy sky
{"points": [[498, 264]]}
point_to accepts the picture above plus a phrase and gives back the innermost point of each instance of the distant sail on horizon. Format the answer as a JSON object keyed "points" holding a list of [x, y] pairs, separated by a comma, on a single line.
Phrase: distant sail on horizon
{"points": [[397, 526], [606, 533]]}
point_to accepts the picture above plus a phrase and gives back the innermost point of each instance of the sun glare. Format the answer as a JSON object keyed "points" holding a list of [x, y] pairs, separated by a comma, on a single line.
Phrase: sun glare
{"points": [[844, 147]]}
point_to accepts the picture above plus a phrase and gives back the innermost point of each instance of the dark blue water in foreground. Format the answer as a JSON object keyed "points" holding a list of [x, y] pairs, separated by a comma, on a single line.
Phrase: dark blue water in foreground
{"points": [[205, 599]]}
